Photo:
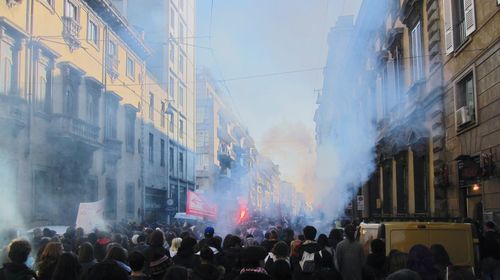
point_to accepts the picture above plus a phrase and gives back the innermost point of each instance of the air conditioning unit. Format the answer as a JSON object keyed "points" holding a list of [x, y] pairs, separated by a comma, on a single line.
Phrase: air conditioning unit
{"points": [[463, 116]]}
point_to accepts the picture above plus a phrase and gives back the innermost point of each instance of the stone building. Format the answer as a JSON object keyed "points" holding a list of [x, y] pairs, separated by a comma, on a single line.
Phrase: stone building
{"points": [[471, 81], [74, 107]]}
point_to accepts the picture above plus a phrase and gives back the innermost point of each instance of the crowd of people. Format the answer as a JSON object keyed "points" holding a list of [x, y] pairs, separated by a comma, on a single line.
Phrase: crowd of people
{"points": [[156, 253]]}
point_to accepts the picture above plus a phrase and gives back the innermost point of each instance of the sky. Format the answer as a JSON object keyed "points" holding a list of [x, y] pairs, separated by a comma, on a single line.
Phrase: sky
{"points": [[251, 38]]}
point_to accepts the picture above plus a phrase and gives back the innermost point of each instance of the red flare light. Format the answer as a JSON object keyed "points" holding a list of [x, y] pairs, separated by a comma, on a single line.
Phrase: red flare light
{"points": [[243, 215]]}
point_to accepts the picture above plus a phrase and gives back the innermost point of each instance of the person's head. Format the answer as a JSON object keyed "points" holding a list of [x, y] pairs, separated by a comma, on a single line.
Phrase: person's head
{"points": [[187, 244], [440, 255], [215, 242], [273, 235], [141, 239], [67, 267], [322, 240], [19, 250], [52, 251], [404, 274], [117, 253], [396, 260], [378, 246], [157, 238], [209, 232], [301, 237], [206, 255], [235, 242], [310, 232], [336, 234], [85, 252], [176, 243], [136, 261], [253, 256], [420, 260], [176, 273], [350, 231], [281, 250], [107, 270]]}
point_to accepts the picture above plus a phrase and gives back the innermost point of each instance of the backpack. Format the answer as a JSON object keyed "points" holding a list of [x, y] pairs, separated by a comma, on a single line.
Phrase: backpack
{"points": [[307, 263]]}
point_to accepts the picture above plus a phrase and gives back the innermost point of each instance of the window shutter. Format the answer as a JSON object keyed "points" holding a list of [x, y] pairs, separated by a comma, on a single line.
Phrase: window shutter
{"points": [[470, 17], [448, 27]]}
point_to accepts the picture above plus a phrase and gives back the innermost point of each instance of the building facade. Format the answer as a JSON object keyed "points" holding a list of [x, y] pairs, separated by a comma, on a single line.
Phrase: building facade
{"points": [[75, 108], [168, 29], [471, 82]]}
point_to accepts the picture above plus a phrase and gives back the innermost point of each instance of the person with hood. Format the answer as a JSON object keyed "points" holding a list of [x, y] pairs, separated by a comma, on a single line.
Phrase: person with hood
{"points": [[16, 269], [253, 261], [185, 255], [350, 256], [280, 252], [206, 270], [308, 256], [157, 261], [86, 256]]}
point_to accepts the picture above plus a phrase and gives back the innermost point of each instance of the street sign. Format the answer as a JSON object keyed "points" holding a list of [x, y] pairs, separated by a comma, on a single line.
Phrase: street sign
{"points": [[361, 202], [171, 205]]}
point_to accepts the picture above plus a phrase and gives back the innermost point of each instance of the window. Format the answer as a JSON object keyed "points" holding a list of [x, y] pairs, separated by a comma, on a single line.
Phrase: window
{"points": [[172, 51], [465, 101], [110, 199], [112, 50], [171, 160], [93, 108], [459, 22], [6, 75], [163, 110], [70, 98], [172, 88], [162, 152], [130, 68], [151, 147], [181, 164], [151, 106], [181, 128], [417, 58], [171, 124], [181, 95], [43, 96], [93, 33], [130, 132], [71, 10], [172, 18], [181, 63], [111, 109], [130, 199]]}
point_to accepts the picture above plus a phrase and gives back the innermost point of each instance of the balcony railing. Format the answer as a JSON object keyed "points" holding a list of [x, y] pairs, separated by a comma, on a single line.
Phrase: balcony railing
{"points": [[71, 32], [76, 129]]}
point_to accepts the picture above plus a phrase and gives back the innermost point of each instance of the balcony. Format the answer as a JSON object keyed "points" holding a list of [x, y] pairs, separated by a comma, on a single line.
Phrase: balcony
{"points": [[75, 130], [112, 66], [71, 31], [112, 150], [225, 154], [13, 113]]}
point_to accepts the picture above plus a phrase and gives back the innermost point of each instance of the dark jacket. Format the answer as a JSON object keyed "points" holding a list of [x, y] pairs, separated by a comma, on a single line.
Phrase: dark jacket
{"points": [[491, 246], [12, 271], [46, 269], [205, 272], [186, 259]]}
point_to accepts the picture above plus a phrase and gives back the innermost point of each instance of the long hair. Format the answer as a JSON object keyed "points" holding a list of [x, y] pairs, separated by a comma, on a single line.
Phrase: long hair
{"points": [[67, 267], [52, 251], [86, 253]]}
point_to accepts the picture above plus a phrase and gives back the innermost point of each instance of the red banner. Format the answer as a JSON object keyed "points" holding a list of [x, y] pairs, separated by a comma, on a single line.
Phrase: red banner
{"points": [[198, 205]]}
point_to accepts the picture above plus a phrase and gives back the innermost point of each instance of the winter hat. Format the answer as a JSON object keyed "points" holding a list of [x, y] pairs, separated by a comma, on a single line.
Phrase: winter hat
{"points": [[209, 232]]}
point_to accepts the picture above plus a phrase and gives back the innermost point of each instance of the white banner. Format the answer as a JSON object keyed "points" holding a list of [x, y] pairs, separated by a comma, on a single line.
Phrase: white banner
{"points": [[90, 215]]}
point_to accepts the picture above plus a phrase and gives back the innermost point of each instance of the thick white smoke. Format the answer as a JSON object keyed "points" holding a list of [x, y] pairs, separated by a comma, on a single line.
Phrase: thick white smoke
{"points": [[346, 118]]}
